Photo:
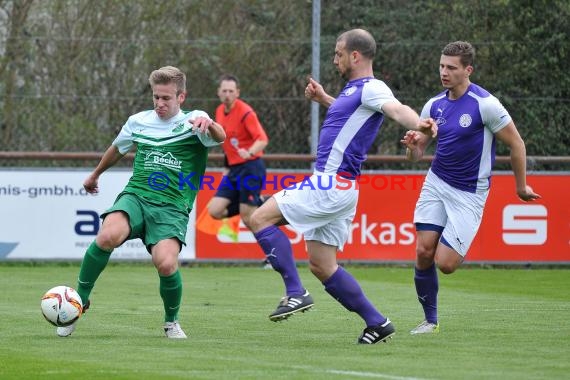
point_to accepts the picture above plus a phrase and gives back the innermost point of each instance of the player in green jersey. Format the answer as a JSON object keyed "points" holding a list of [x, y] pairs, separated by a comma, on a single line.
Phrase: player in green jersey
{"points": [[171, 153]]}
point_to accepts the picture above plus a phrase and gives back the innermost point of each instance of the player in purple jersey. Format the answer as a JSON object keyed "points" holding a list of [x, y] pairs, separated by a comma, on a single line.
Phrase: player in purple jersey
{"points": [[323, 206], [450, 207]]}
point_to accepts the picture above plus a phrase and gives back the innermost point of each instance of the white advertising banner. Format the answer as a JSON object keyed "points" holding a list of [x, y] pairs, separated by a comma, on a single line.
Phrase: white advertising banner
{"points": [[46, 214]]}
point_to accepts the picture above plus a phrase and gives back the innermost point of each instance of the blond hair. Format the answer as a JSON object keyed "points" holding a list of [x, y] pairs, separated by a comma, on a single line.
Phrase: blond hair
{"points": [[167, 75]]}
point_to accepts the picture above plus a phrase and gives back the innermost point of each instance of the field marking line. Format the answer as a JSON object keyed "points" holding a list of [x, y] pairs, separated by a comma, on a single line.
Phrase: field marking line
{"points": [[371, 375], [376, 375]]}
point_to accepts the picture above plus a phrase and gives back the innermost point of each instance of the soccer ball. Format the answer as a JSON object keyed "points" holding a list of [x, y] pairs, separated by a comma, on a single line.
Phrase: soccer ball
{"points": [[61, 306]]}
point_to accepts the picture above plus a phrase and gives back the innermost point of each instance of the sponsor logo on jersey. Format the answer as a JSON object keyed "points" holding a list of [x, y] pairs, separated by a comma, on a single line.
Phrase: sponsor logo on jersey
{"points": [[163, 159], [439, 119]]}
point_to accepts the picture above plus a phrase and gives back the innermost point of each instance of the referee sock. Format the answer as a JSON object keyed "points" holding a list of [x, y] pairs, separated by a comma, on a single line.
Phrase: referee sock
{"points": [[345, 289], [170, 289], [278, 250], [94, 261], [427, 287], [232, 209]]}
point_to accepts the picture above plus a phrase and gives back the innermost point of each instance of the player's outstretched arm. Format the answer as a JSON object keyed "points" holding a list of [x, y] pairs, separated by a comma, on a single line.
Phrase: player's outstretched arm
{"points": [[315, 91], [406, 116], [510, 136], [110, 158]]}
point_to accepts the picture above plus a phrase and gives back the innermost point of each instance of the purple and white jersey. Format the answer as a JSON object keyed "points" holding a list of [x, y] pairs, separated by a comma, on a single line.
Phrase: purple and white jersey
{"points": [[465, 150], [350, 126]]}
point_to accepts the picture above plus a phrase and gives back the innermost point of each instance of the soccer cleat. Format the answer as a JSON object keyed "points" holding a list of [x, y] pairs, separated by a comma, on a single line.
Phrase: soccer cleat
{"points": [[378, 333], [290, 305], [67, 330], [174, 331], [267, 264], [426, 328]]}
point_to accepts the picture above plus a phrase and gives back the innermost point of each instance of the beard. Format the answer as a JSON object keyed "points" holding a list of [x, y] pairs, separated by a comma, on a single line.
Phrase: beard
{"points": [[345, 74]]}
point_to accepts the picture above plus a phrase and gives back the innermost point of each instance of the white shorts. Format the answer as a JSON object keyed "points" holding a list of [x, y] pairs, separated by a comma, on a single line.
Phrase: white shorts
{"points": [[458, 211], [318, 209]]}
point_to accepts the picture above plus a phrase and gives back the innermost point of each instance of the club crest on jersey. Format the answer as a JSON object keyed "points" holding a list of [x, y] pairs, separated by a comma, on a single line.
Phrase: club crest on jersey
{"points": [[349, 91], [178, 128], [465, 120]]}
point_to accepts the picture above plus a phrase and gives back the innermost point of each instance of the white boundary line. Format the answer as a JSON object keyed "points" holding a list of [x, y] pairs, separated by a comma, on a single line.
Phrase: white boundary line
{"points": [[371, 375]]}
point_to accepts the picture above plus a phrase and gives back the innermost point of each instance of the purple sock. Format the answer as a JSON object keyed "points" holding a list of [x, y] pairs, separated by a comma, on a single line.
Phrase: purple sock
{"points": [[278, 250], [346, 290], [427, 287]]}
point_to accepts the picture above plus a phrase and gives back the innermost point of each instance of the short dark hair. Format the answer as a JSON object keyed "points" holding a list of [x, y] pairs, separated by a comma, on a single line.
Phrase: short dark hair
{"points": [[228, 77], [359, 40], [461, 49]]}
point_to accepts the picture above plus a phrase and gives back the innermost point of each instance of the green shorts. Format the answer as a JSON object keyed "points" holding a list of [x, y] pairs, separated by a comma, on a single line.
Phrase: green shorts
{"points": [[151, 221]]}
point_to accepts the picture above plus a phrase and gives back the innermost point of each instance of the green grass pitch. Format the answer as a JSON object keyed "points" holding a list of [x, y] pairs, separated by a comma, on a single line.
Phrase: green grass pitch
{"points": [[495, 324]]}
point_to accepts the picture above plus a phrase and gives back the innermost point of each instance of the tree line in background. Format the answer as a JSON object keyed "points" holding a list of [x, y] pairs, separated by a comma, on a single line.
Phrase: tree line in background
{"points": [[72, 71]]}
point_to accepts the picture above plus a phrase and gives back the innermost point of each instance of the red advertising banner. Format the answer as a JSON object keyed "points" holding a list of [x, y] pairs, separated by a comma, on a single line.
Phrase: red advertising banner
{"points": [[383, 230]]}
